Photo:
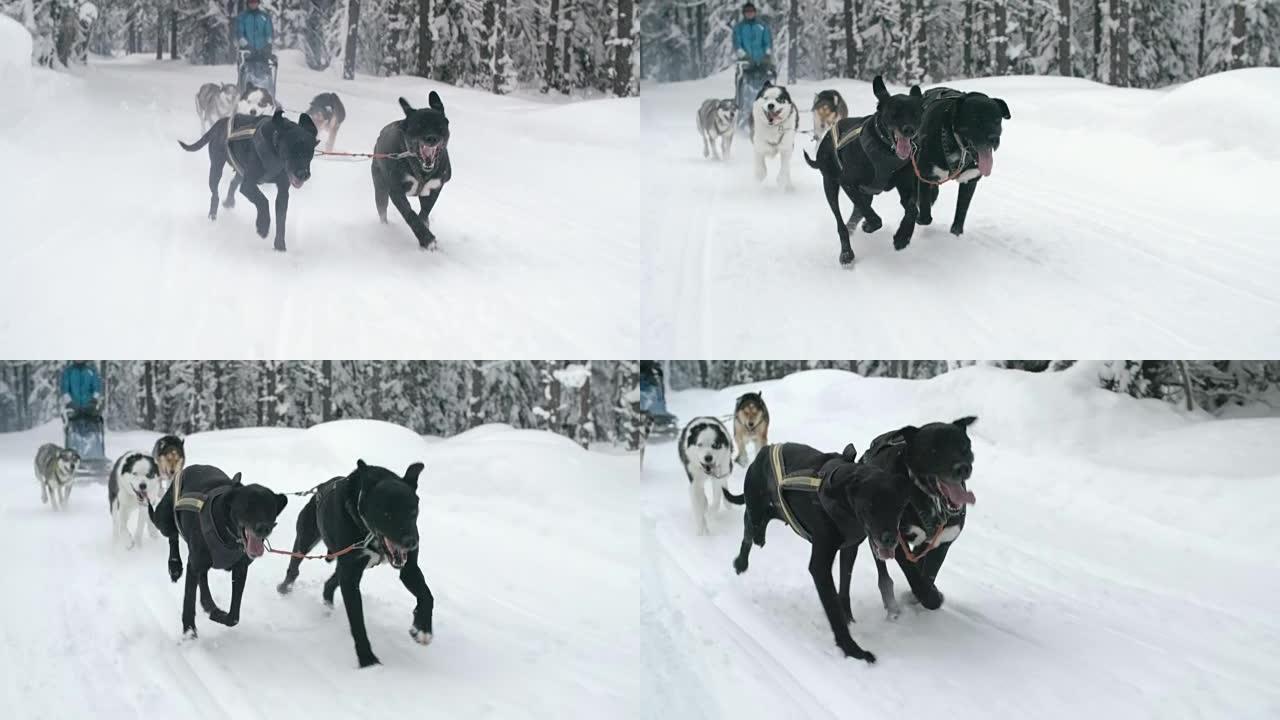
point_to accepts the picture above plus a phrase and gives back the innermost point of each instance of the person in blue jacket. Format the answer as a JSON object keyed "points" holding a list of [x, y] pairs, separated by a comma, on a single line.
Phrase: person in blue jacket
{"points": [[253, 28], [751, 37], [81, 389]]}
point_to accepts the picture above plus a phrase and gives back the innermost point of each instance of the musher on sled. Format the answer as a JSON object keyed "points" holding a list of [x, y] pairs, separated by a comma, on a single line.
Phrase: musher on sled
{"points": [[753, 43], [256, 64]]}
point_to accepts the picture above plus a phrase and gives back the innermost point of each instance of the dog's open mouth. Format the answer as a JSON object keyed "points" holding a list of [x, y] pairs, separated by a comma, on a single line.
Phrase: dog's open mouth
{"points": [[709, 468], [429, 155], [773, 116], [397, 554], [986, 160], [901, 145], [141, 495], [956, 494], [253, 546], [295, 181]]}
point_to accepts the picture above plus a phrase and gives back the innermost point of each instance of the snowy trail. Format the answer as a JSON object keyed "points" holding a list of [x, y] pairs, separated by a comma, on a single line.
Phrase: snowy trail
{"points": [[528, 619], [1102, 571], [105, 218], [1114, 223]]}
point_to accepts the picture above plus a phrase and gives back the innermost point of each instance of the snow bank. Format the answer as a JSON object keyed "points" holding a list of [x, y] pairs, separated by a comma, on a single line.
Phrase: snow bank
{"points": [[1233, 110], [337, 445], [15, 68]]}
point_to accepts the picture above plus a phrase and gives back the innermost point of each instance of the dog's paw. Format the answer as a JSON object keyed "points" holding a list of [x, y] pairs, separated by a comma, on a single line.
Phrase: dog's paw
{"points": [[221, 617], [368, 660], [893, 613], [263, 225], [931, 600], [189, 634], [284, 588], [872, 224], [279, 246], [901, 243], [924, 219], [957, 229], [739, 565], [422, 637], [175, 569], [846, 258]]}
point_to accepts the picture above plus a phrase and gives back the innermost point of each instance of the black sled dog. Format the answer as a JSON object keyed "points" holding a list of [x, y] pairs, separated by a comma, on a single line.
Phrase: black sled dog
{"points": [[413, 161]]}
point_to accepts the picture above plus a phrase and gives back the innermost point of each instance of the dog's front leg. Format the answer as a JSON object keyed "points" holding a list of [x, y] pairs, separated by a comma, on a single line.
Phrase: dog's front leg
{"points": [[210, 607], [282, 211], [44, 493], [862, 208], [821, 557], [926, 196], [740, 439], [921, 587], [907, 197], [116, 522], [698, 503], [847, 557], [333, 136], [350, 570], [962, 205], [239, 573], [726, 141], [249, 188], [425, 203], [411, 577], [175, 560], [418, 227], [141, 514], [760, 169], [784, 172], [708, 147], [891, 607], [230, 201], [66, 491]]}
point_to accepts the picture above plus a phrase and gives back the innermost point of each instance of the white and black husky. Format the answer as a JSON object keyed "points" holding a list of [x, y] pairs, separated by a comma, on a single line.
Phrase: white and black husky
{"points": [[56, 473], [774, 122], [716, 121], [134, 483], [707, 455]]}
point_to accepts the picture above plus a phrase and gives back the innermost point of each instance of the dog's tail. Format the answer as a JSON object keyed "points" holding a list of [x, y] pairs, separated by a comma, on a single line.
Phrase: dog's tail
{"points": [[812, 163], [204, 140], [735, 499]]}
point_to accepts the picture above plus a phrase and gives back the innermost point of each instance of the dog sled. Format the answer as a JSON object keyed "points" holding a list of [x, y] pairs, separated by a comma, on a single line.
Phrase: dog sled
{"points": [[86, 434], [748, 81], [256, 68], [653, 401]]}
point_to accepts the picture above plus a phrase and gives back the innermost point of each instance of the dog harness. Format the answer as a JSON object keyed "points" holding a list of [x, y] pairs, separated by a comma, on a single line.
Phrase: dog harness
{"points": [[245, 132], [875, 145], [223, 552], [802, 480]]}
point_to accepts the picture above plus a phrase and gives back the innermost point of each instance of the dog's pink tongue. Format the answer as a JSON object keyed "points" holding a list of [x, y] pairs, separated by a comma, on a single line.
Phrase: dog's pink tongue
{"points": [[958, 494], [902, 146], [985, 161], [253, 544]]}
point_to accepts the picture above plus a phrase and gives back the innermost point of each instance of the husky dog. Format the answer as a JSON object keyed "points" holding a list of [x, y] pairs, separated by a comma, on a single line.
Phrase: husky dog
{"points": [[716, 121], [828, 109], [170, 455], [707, 456], [214, 102], [56, 471], [133, 485], [256, 101], [750, 424], [774, 122], [328, 113]]}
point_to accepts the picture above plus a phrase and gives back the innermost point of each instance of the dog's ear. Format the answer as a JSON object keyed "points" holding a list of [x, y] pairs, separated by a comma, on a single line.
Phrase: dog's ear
{"points": [[435, 102], [404, 105], [281, 501], [278, 116], [1004, 108], [360, 464], [877, 87], [305, 122], [235, 479], [850, 453], [904, 435], [411, 475], [915, 91], [965, 421]]}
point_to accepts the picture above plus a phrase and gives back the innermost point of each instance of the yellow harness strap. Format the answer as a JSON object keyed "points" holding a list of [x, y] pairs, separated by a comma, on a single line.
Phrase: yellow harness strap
{"points": [[243, 133], [795, 482], [188, 503]]}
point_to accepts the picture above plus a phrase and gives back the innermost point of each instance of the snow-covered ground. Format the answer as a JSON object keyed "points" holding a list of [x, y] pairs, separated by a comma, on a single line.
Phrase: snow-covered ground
{"points": [[528, 544], [106, 243], [1117, 223], [1121, 561]]}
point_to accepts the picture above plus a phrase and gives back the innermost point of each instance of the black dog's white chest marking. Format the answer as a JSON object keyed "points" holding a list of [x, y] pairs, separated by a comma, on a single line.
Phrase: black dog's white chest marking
{"points": [[915, 535], [418, 188]]}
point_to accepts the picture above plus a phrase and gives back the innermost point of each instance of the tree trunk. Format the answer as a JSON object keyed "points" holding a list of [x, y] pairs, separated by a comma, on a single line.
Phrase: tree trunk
{"points": [[424, 38], [969, 19], [1099, 27], [699, 35], [850, 50], [326, 390], [793, 33], [566, 64], [585, 431], [475, 399], [1002, 36], [1064, 38], [922, 42], [173, 30], [377, 391], [396, 20], [1204, 27], [553, 27], [149, 394], [219, 394], [500, 58], [1118, 23], [624, 41], [159, 34], [1239, 37], [353, 40], [195, 418], [1186, 383]]}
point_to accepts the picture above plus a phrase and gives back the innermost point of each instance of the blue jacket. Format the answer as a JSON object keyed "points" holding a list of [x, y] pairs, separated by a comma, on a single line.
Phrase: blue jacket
{"points": [[752, 36], [254, 28], [82, 384]]}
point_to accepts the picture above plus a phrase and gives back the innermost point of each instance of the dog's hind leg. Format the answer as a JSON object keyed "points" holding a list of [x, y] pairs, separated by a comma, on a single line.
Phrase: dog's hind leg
{"points": [[189, 597], [230, 200], [847, 557], [306, 536], [215, 177], [411, 577], [282, 211], [831, 188], [350, 569], [821, 557], [748, 533], [330, 587], [962, 205], [380, 194], [885, 582]]}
